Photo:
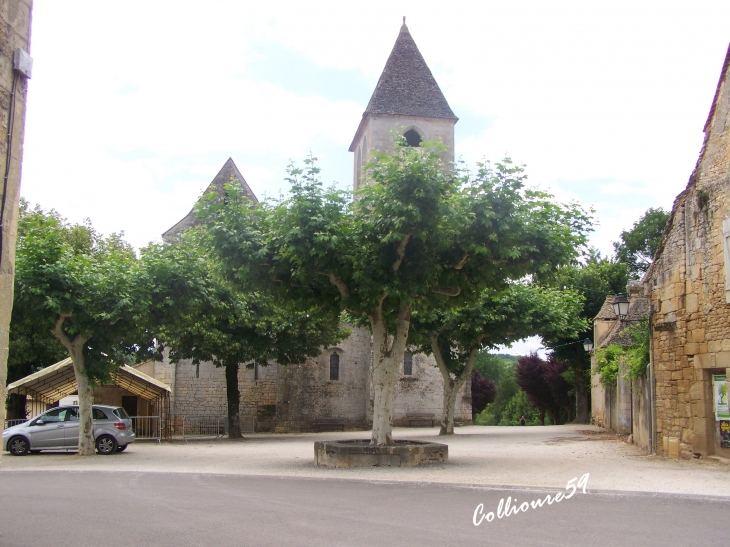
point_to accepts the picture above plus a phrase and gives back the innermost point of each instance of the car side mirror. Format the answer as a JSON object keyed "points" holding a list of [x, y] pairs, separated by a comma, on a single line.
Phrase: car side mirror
{"points": [[39, 422]]}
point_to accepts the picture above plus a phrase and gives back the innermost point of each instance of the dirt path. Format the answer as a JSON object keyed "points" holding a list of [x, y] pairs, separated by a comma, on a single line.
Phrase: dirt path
{"points": [[484, 456]]}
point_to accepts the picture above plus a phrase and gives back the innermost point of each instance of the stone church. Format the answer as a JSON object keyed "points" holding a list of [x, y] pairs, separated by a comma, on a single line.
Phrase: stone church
{"points": [[338, 383]]}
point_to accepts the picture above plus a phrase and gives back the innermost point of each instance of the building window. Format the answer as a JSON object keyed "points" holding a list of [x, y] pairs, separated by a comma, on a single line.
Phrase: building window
{"points": [[334, 367], [408, 364], [255, 371], [412, 137], [197, 370]]}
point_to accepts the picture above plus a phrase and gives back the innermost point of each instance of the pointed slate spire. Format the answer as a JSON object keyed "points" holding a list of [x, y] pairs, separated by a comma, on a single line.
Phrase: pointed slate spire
{"points": [[227, 172], [407, 86]]}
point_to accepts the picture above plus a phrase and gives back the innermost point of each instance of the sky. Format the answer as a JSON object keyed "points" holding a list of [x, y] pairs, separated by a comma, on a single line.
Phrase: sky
{"points": [[134, 106]]}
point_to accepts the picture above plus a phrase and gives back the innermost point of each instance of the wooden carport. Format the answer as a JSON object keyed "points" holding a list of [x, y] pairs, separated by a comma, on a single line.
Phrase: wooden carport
{"points": [[59, 380]]}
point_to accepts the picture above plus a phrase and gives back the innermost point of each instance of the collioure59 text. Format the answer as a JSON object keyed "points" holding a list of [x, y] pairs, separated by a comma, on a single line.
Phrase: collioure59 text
{"points": [[510, 507]]}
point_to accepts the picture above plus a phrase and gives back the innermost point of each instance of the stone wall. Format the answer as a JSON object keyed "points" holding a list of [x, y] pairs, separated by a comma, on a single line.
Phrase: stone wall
{"points": [[306, 391], [15, 19], [687, 283], [376, 135], [423, 391]]}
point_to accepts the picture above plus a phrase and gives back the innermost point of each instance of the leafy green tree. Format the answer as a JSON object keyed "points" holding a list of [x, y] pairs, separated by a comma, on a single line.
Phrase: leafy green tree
{"points": [[31, 345], [639, 245], [85, 290], [418, 231], [499, 317], [201, 316], [594, 280]]}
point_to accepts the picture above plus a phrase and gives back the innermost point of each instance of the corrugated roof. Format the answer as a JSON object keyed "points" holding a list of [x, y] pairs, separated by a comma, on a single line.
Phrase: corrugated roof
{"points": [[227, 172], [57, 381], [407, 86]]}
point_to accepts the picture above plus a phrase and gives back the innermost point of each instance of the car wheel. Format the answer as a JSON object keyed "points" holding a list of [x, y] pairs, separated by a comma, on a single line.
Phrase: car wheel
{"points": [[18, 446], [106, 444], [122, 448]]}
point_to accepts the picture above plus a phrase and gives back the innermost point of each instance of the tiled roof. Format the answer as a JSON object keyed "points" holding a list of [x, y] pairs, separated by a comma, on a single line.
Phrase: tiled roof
{"points": [[407, 86], [227, 172], [638, 310]]}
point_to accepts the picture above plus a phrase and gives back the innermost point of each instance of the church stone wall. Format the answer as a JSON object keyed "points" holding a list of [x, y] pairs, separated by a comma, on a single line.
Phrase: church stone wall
{"points": [[306, 391], [687, 284], [376, 135], [423, 391]]}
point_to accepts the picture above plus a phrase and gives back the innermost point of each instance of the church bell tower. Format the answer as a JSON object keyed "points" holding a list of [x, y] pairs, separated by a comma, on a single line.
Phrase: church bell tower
{"points": [[407, 99]]}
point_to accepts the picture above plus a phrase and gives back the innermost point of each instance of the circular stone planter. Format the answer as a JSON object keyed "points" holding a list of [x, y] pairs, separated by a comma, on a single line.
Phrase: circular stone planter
{"points": [[360, 453]]}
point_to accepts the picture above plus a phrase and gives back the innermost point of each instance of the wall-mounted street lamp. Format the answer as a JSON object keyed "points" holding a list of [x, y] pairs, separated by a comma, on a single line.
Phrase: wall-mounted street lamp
{"points": [[588, 345], [621, 306]]}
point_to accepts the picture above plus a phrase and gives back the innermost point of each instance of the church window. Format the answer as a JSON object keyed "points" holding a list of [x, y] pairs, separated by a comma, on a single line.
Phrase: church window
{"points": [[408, 364], [255, 371], [334, 367], [412, 137], [197, 370]]}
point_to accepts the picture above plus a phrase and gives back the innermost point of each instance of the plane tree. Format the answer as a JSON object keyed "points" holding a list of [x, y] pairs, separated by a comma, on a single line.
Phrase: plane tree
{"points": [[85, 290], [417, 231], [455, 335], [197, 314]]}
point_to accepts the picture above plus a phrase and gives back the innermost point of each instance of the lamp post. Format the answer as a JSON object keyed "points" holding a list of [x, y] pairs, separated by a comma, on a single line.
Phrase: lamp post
{"points": [[621, 306], [588, 345]]}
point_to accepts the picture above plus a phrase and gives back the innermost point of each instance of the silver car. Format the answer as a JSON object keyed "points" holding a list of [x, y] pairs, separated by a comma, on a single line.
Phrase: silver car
{"points": [[58, 429]]}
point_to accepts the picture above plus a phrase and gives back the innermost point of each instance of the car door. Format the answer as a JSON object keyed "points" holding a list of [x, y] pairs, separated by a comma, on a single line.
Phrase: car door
{"points": [[71, 429], [50, 433]]}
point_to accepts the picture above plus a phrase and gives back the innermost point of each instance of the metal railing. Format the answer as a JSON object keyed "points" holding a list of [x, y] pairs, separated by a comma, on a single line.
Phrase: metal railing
{"points": [[147, 427], [204, 426], [11, 423]]}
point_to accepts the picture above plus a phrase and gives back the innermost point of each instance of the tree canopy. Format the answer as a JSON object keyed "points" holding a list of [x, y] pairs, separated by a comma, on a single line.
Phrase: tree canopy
{"points": [[454, 336], [417, 231], [639, 245], [85, 289], [202, 316]]}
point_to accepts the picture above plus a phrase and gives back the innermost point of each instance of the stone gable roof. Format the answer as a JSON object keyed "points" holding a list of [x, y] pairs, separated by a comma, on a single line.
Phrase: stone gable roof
{"points": [[407, 86], [227, 172]]}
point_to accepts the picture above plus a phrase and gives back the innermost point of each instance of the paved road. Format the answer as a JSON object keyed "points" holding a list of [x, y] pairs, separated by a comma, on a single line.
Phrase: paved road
{"points": [[78, 509]]}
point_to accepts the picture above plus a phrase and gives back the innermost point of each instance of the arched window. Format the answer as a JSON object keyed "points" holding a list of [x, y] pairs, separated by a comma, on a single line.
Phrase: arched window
{"points": [[334, 367], [408, 364], [412, 137]]}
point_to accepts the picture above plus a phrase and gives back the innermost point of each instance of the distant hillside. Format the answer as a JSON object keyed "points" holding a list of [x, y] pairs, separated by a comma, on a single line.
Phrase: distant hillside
{"points": [[507, 357]]}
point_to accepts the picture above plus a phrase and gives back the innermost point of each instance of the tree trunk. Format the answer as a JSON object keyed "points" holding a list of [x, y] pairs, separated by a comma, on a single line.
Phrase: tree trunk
{"points": [[451, 386], [75, 349], [387, 355], [582, 406], [86, 400], [542, 416], [234, 400]]}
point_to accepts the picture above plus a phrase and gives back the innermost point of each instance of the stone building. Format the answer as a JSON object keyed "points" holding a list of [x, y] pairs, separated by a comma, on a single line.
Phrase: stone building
{"points": [[15, 71], [624, 406], [688, 285], [338, 383]]}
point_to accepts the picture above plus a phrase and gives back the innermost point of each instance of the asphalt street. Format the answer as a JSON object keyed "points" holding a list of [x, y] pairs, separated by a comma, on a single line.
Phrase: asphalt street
{"points": [[101, 508]]}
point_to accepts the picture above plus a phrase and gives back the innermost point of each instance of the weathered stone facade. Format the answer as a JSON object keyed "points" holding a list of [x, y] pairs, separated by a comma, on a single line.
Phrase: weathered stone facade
{"points": [[689, 287], [624, 406], [15, 21]]}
